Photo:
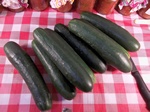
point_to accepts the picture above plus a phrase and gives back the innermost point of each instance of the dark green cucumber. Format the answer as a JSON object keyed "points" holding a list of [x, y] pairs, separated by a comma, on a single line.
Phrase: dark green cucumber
{"points": [[89, 71], [116, 32], [107, 48], [84, 51], [65, 58], [62, 85], [29, 72], [83, 64]]}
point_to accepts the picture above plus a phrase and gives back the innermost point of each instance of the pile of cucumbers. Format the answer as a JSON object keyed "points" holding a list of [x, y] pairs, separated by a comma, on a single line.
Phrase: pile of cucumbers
{"points": [[71, 54]]}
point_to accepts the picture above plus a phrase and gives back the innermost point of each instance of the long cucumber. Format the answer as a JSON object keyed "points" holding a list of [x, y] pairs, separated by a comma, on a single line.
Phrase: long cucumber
{"points": [[75, 57], [114, 54], [114, 31], [62, 85], [65, 58], [31, 75], [84, 51]]}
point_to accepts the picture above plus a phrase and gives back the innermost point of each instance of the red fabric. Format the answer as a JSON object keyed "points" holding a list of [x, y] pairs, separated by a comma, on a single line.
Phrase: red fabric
{"points": [[113, 91]]}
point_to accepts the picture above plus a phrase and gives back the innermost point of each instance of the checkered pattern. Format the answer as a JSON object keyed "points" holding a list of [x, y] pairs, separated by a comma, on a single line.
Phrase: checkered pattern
{"points": [[113, 91]]}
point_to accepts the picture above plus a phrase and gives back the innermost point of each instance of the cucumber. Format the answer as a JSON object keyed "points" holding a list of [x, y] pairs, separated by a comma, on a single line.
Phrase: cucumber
{"points": [[83, 64], [116, 32], [62, 85], [29, 72], [114, 54], [83, 50], [65, 58]]}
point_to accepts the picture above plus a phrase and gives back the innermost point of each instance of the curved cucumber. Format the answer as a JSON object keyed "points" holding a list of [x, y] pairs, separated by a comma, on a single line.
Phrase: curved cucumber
{"points": [[62, 85], [119, 34], [65, 58], [29, 72], [108, 49], [84, 51]]}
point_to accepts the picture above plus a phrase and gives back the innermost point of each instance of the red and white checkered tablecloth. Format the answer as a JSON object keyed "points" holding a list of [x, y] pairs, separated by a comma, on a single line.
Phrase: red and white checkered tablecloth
{"points": [[113, 91]]}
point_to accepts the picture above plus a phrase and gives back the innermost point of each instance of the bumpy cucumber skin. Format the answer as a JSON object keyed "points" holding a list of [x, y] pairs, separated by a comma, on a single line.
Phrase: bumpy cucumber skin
{"points": [[75, 56], [119, 34], [62, 85], [29, 72], [108, 49], [84, 51], [65, 58]]}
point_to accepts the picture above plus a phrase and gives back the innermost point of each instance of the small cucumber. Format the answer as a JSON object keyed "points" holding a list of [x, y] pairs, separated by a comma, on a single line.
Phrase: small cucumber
{"points": [[62, 85], [65, 58], [29, 72], [84, 51], [114, 31], [107, 48]]}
